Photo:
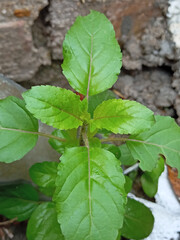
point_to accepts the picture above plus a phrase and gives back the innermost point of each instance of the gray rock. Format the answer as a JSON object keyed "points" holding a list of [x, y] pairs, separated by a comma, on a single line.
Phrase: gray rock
{"points": [[177, 106], [62, 15], [41, 152], [151, 88], [9, 88], [176, 84], [19, 58], [11, 10], [166, 97]]}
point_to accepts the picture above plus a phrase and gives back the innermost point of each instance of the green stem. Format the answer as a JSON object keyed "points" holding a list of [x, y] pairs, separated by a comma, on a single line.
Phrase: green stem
{"points": [[86, 142], [35, 133], [124, 139]]}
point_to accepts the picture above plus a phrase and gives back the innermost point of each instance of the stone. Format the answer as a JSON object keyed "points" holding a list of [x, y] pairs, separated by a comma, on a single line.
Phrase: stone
{"points": [[19, 58], [131, 64], [42, 151], [51, 75], [142, 31], [131, 17], [151, 88], [9, 88], [176, 84], [12, 10], [124, 84], [177, 106], [62, 15], [166, 97]]}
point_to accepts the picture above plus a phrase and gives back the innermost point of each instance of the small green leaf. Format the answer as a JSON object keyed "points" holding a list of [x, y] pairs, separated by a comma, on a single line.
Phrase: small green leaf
{"points": [[104, 133], [44, 175], [16, 130], [43, 224], [18, 201], [89, 194], [56, 107], [163, 138], [94, 142], [122, 116], [71, 140], [149, 180], [113, 149], [126, 156], [92, 57], [138, 220], [97, 99], [128, 184]]}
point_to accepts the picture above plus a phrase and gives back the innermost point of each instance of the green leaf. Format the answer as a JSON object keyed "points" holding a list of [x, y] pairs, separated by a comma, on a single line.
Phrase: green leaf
{"points": [[43, 224], [90, 194], [128, 184], [44, 175], [56, 107], [97, 99], [104, 133], [138, 220], [94, 142], [16, 130], [71, 140], [122, 116], [163, 138], [92, 57], [113, 149], [149, 180], [126, 156], [18, 201]]}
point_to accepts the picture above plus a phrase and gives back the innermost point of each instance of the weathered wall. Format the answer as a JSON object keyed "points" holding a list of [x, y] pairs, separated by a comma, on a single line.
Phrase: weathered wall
{"points": [[32, 33]]}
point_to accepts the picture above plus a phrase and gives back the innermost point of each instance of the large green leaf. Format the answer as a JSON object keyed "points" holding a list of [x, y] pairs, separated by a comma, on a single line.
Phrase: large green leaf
{"points": [[18, 201], [92, 57], [97, 99], [163, 138], [138, 220], [44, 175], [16, 130], [90, 194], [149, 180], [71, 140], [43, 224], [122, 116], [56, 107]]}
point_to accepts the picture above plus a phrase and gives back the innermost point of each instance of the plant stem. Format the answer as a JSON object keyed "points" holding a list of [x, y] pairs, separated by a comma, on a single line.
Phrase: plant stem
{"points": [[90, 69], [5, 223], [51, 136], [124, 139], [86, 142], [34, 133]]}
